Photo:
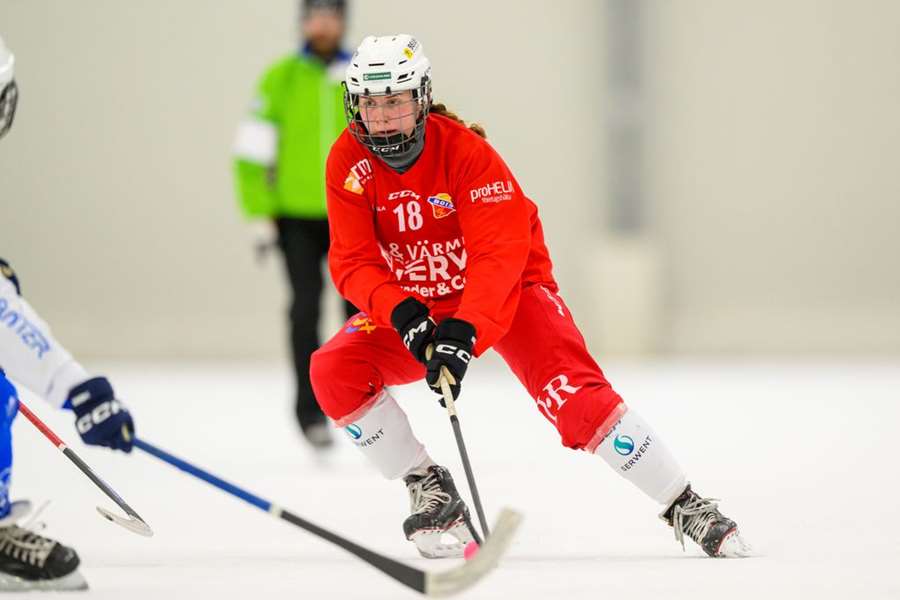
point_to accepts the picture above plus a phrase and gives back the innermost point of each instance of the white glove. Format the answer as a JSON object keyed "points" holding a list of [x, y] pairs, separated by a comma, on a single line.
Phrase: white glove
{"points": [[265, 237]]}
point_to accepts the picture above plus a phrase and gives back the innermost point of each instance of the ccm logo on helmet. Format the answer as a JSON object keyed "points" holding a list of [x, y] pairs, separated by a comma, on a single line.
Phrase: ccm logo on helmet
{"points": [[453, 350]]}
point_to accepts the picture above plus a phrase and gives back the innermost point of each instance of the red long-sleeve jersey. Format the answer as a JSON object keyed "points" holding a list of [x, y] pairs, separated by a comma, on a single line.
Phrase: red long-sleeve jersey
{"points": [[454, 231]]}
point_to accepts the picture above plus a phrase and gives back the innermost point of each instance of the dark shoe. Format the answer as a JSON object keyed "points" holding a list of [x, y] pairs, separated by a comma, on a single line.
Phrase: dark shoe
{"points": [[700, 519], [437, 509], [318, 434], [29, 561]]}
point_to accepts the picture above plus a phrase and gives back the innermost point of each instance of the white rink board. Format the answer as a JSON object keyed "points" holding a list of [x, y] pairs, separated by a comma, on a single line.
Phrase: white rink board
{"points": [[803, 455]]}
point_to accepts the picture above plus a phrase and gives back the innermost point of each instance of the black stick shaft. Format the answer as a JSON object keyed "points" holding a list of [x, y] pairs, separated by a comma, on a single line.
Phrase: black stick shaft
{"points": [[467, 466], [409, 576], [70, 454], [463, 454], [104, 487]]}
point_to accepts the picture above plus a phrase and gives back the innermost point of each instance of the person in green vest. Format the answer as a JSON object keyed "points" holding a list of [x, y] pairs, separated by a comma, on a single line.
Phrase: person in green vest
{"points": [[279, 167]]}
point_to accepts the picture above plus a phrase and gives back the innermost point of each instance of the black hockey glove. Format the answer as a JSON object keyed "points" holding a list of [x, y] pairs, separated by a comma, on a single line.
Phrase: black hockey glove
{"points": [[452, 348], [100, 419], [416, 328], [7, 271]]}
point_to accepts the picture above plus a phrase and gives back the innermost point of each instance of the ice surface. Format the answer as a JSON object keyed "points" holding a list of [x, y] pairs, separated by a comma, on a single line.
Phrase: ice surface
{"points": [[804, 456]]}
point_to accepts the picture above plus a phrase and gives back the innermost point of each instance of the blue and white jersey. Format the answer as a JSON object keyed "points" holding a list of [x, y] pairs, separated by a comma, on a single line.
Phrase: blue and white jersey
{"points": [[29, 354]]}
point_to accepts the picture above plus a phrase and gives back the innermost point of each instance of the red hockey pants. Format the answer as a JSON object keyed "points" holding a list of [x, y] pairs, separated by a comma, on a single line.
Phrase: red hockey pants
{"points": [[543, 348]]}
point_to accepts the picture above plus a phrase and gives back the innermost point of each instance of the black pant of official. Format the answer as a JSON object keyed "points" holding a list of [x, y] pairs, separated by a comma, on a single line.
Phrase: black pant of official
{"points": [[304, 244]]}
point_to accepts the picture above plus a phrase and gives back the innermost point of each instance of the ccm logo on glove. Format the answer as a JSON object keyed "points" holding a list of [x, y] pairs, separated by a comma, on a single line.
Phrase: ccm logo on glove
{"points": [[100, 418], [413, 322], [416, 331], [460, 353], [454, 340], [99, 414]]}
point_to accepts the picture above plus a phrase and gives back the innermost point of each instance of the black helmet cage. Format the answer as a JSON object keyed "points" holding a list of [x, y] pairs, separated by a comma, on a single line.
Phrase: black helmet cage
{"points": [[387, 145], [9, 95]]}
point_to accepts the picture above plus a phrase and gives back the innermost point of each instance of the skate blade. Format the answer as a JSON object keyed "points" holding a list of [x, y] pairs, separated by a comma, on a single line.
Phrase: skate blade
{"points": [[734, 546], [429, 544], [73, 582]]}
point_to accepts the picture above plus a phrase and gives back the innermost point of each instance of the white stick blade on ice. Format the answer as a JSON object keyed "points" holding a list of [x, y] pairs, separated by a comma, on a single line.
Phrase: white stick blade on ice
{"points": [[466, 575], [132, 524]]}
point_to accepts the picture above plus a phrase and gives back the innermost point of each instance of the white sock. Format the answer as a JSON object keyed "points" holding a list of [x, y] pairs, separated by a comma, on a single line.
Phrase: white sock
{"points": [[383, 435], [636, 453]]}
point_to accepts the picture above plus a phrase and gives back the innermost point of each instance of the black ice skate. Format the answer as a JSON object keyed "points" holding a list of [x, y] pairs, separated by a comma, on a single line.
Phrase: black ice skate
{"points": [[29, 561], [437, 509], [701, 520], [318, 434]]}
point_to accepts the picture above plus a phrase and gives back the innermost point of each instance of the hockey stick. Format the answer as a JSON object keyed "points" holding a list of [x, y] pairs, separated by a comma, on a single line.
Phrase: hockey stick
{"points": [[467, 466], [134, 522], [445, 583]]}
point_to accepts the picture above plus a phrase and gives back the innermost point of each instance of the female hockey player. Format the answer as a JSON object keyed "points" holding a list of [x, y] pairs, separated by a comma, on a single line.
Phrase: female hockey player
{"points": [[30, 355], [433, 238]]}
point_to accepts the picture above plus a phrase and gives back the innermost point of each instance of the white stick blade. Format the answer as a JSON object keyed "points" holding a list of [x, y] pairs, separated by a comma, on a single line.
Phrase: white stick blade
{"points": [[466, 575], [132, 524]]}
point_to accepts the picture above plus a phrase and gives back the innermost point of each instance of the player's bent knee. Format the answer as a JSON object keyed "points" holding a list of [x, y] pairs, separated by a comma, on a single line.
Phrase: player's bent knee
{"points": [[324, 367], [341, 381], [587, 417]]}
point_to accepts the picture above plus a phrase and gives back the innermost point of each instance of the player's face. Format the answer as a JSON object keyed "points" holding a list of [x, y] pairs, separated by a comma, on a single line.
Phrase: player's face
{"points": [[390, 114], [323, 28]]}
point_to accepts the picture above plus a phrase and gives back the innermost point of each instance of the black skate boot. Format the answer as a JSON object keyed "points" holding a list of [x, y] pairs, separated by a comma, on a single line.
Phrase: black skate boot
{"points": [[437, 509], [318, 434], [29, 561], [701, 520], [313, 423]]}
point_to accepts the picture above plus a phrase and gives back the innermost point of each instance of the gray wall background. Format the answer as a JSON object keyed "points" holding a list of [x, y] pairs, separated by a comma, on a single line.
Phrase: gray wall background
{"points": [[771, 135]]}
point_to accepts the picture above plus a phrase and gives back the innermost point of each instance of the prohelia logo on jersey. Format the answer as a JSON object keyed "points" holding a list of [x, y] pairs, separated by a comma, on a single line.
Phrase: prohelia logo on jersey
{"points": [[361, 323], [497, 191], [441, 205], [359, 175]]}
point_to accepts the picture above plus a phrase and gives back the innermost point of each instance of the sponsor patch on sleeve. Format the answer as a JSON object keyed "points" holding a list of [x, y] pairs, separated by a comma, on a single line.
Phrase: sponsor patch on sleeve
{"points": [[497, 191], [359, 174]]}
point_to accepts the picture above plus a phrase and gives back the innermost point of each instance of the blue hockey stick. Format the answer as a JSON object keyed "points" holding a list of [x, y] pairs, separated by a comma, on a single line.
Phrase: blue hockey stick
{"points": [[445, 583]]}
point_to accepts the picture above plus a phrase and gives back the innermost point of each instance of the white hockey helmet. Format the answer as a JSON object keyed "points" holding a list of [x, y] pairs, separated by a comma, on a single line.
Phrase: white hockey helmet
{"points": [[383, 66], [9, 94]]}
